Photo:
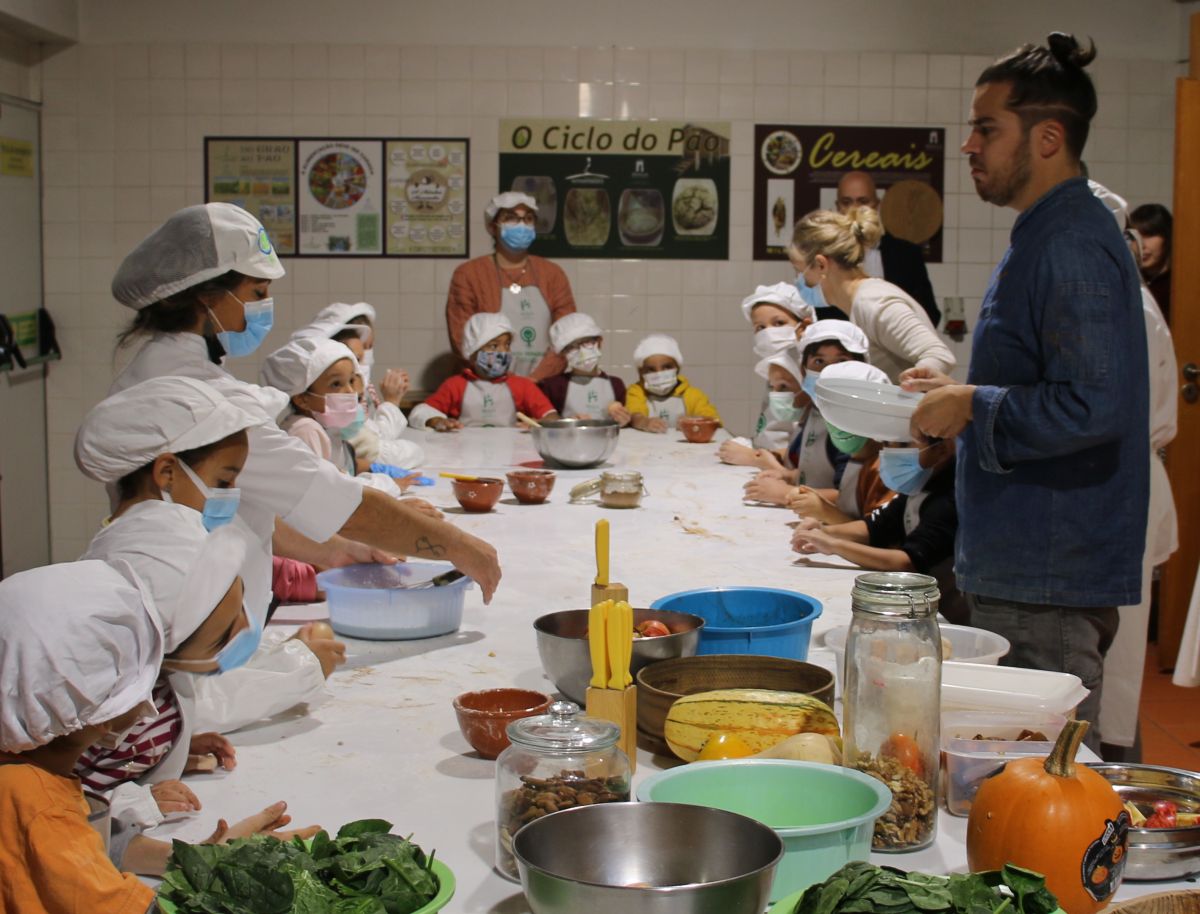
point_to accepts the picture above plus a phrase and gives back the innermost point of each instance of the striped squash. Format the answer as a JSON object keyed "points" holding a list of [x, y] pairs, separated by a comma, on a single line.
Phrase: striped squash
{"points": [[760, 717]]}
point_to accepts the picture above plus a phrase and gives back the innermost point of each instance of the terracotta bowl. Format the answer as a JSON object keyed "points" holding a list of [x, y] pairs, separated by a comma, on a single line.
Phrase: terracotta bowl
{"points": [[532, 487], [660, 684], [698, 429], [483, 716], [480, 495]]}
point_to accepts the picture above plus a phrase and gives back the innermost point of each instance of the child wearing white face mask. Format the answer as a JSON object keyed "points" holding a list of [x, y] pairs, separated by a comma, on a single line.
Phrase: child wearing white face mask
{"points": [[662, 395], [583, 391], [778, 315]]}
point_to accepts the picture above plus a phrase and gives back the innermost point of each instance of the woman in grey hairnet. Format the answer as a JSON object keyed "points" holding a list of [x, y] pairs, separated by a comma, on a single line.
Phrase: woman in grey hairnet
{"points": [[200, 284]]}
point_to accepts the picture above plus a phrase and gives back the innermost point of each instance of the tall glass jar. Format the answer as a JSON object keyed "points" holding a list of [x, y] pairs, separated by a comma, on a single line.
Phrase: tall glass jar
{"points": [[555, 761], [892, 703]]}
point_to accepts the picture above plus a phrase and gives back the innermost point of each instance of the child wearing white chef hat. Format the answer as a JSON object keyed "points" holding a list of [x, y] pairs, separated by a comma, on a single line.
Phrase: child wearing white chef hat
{"points": [[583, 390], [100, 617], [662, 396], [484, 393], [778, 315]]}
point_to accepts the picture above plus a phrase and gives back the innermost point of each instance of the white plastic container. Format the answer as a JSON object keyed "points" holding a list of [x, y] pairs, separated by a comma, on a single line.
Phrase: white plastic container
{"points": [[973, 686], [879, 411], [367, 601]]}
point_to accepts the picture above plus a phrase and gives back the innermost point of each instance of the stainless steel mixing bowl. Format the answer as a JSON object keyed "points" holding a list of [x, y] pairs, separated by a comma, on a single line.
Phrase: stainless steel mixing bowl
{"points": [[646, 858], [1158, 853], [576, 443]]}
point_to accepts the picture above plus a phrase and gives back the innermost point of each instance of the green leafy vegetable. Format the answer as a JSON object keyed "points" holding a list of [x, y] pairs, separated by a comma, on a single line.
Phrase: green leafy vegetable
{"points": [[861, 888], [364, 870]]}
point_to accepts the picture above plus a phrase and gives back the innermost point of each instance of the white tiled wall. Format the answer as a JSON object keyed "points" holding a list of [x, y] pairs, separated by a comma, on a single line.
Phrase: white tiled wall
{"points": [[123, 139]]}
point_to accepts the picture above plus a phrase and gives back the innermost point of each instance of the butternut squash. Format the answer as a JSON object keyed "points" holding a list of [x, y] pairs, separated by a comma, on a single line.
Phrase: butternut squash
{"points": [[759, 717]]}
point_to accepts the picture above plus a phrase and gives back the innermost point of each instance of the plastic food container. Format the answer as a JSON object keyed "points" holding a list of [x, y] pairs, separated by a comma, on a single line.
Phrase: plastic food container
{"points": [[973, 686], [749, 620], [368, 601], [966, 761]]}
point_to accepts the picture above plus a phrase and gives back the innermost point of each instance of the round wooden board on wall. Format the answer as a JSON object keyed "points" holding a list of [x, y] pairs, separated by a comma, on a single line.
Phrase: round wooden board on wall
{"points": [[911, 210]]}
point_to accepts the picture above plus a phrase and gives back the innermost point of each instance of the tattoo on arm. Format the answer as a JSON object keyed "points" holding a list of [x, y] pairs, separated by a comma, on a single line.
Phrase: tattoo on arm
{"points": [[426, 547]]}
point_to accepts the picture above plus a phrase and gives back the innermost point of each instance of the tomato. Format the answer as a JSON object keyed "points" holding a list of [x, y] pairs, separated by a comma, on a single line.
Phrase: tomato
{"points": [[652, 628], [1164, 816], [905, 750]]}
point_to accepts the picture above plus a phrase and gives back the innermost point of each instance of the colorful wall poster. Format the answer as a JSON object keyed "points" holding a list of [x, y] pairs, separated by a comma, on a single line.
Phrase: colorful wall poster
{"points": [[427, 197], [341, 197], [622, 189], [797, 168], [259, 175]]}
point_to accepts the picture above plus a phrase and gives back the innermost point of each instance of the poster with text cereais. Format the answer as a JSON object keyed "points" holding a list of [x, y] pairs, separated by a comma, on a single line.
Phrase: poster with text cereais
{"points": [[341, 197]]}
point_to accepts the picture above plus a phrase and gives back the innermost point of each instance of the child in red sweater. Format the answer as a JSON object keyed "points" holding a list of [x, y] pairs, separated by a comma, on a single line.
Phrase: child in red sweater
{"points": [[483, 393]]}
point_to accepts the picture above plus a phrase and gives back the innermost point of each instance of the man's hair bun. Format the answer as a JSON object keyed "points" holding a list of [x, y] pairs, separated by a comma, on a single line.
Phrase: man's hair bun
{"points": [[1068, 52]]}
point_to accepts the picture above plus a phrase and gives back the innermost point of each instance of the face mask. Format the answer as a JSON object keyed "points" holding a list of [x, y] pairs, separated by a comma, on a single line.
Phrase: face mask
{"points": [[809, 384], [360, 418], [113, 739], [661, 382], [492, 364], [812, 295], [364, 366], [585, 358], [517, 237], [260, 316], [340, 410], [236, 653], [901, 471], [772, 340], [844, 441], [220, 505], [780, 406]]}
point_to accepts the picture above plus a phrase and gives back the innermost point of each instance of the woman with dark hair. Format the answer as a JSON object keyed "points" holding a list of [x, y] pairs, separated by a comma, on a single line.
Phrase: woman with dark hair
{"points": [[1153, 223]]}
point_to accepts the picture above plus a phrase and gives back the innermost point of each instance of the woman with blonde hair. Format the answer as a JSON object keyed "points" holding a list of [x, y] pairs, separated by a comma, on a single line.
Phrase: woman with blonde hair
{"points": [[827, 250]]}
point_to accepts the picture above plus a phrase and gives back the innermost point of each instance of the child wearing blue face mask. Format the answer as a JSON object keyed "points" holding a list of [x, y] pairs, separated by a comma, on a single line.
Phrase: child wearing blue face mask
{"points": [[485, 393]]}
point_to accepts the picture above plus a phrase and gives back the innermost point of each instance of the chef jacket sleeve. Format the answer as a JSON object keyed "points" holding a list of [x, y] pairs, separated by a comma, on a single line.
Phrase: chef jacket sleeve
{"points": [[389, 421]]}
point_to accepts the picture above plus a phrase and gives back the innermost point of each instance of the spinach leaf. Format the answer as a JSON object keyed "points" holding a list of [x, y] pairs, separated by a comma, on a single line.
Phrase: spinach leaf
{"points": [[364, 827]]}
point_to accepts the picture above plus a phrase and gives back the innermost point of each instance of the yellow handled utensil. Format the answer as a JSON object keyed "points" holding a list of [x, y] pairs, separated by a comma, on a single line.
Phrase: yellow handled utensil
{"points": [[459, 476], [603, 589], [620, 645], [597, 643]]}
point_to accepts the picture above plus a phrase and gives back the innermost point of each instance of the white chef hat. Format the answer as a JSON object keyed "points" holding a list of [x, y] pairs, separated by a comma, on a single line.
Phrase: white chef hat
{"points": [[784, 360], [507, 200], [783, 295], [186, 569], [295, 365], [334, 318], [481, 329], [167, 415], [571, 328], [1115, 203], [835, 331], [657, 344], [80, 644], [327, 329], [856, 371], [196, 244]]}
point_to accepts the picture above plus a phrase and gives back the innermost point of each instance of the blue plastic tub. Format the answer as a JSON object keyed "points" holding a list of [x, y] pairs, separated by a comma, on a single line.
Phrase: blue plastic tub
{"points": [[749, 620], [367, 601]]}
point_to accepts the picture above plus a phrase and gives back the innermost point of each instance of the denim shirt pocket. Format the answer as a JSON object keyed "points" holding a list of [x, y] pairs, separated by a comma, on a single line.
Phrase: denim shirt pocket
{"points": [[1078, 332]]}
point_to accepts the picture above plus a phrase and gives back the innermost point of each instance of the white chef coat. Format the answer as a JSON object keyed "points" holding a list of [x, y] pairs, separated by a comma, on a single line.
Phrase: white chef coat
{"points": [[390, 424]]}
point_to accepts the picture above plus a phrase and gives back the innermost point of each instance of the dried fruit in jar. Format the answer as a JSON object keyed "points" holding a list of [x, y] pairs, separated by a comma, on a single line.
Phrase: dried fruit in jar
{"points": [[909, 821]]}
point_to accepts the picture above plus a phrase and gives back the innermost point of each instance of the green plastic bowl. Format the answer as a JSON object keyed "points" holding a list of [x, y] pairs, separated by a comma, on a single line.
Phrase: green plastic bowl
{"points": [[445, 892], [825, 814]]}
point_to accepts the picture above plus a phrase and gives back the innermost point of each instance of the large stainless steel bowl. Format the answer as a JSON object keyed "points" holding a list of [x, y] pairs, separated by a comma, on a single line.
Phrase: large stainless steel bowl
{"points": [[563, 647], [576, 443], [646, 858], [1158, 853]]}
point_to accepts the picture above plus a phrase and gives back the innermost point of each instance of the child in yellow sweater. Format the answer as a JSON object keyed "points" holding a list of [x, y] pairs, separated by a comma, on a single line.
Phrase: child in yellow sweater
{"points": [[662, 396]]}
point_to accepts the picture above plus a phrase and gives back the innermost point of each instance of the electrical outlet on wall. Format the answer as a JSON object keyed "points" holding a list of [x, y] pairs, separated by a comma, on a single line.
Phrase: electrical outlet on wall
{"points": [[955, 313]]}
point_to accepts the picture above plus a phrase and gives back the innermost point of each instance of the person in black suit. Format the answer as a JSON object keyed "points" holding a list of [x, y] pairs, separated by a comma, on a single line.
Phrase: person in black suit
{"points": [[898, 261]]}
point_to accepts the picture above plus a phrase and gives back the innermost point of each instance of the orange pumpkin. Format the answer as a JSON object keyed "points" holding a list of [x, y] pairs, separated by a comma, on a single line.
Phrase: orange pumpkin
{"points": [[1050, 816]]}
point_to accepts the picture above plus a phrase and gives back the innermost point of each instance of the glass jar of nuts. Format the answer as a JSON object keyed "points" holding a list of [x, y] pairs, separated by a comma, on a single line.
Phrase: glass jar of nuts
{"points": [[555, 761], [892, 701]]}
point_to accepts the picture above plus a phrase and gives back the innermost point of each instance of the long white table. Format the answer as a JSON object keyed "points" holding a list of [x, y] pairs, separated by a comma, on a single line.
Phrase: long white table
{"points": [[387, 745]]}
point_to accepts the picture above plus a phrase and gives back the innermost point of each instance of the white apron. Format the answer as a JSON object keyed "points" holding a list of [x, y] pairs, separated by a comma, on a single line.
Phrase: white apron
{"points": [[847, 500], [813, 463], [489, 405], [530, 317], [588, 397], [769, 433], [669, 409]]}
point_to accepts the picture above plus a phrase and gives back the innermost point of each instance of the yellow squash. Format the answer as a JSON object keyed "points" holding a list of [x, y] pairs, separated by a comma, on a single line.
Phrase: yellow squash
{"points": [[759, 717]]}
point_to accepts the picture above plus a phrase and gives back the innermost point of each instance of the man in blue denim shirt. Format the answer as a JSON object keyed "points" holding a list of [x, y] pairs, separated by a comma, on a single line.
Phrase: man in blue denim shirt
{"points": [[1053, 456]]}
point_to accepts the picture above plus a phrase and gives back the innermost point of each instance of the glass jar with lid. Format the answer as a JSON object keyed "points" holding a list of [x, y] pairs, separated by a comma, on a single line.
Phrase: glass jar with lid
{"points": [[616, 488], [555, 761], [892, 701]]}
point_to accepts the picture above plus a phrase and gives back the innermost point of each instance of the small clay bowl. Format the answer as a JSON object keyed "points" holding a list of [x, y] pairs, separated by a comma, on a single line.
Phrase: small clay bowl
{"points": [[698, 429], [480, 495], [532, 487], [484, 716]]}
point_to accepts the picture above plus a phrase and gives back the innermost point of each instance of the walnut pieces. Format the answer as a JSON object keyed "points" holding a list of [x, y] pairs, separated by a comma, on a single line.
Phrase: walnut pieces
{"points": [[909, 821]]}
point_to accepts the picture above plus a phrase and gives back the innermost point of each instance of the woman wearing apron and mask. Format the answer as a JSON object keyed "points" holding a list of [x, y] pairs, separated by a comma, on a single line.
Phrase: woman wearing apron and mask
{"points": [[529, 290]]}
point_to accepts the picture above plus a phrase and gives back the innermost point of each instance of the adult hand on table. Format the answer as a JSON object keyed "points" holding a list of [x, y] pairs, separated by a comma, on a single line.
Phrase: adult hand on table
{"points": [[213, 746], [769, 489], [421, 506], [394, 386], [267, 822], [343, 551], [174, 796], [330, 652]]}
